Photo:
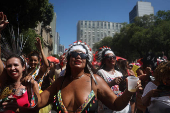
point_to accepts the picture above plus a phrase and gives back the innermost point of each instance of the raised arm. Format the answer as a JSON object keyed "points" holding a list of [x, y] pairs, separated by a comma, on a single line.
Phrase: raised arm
{"points": [[44, 59], [3, 24], [108, 98]]}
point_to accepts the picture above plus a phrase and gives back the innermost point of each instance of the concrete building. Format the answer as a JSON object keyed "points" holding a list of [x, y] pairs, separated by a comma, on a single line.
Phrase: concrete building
{"points": [[93, 31], [48, 35], [56, 43], [45, 33], [53, 32], [61, 49], [140, 9]]}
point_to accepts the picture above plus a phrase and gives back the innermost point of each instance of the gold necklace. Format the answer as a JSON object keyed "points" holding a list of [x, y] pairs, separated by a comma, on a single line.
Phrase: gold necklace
{"points": [[77, 77]]}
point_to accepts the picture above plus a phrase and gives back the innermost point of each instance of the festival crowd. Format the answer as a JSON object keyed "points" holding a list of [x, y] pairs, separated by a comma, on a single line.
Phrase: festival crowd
{"points": [[35, 83]]}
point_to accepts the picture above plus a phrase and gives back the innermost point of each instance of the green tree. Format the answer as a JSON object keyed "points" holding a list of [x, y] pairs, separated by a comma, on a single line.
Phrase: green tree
{"points": [[29, 40], [107, 41], [26, 13]]}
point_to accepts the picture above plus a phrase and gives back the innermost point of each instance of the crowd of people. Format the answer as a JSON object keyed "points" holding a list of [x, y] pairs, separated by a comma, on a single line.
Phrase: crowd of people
{"points": [[33, 83]]}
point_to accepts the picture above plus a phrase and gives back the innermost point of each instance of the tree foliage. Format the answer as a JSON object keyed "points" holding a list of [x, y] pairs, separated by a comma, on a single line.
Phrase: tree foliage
{"points": [[29, 40], [27, 13], [147, 33]]}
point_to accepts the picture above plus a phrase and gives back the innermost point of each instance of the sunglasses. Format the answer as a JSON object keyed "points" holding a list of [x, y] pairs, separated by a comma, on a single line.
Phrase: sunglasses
{"points": [[82, 55], [110, 57]]}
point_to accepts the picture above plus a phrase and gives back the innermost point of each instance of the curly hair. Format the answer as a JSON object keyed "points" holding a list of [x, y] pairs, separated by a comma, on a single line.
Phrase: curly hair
{"points": [[162, 71]]}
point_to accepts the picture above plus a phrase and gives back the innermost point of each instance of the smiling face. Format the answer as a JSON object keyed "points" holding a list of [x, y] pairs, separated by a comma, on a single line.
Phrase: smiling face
{"points": [[14, 68], [76, 61], [110, 60], [33, 61]]}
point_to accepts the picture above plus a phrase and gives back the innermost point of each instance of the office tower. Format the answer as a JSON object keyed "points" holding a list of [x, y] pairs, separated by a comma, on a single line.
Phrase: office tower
{"points": [[140, 9], [61, 49], [53, 32], [56, 43], [94, 31]]}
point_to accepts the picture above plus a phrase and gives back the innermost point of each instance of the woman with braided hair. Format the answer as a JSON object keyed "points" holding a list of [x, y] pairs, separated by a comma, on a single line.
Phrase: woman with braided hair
{"points": [[113, 77], [156, 95], [79, 89]]}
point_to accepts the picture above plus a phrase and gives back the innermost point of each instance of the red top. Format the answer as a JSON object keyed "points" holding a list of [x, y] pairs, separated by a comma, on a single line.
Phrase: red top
{"points": [[21, 100]]}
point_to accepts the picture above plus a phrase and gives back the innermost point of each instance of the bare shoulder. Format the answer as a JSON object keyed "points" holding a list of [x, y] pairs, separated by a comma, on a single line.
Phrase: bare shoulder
{"points": [[98, 78]]}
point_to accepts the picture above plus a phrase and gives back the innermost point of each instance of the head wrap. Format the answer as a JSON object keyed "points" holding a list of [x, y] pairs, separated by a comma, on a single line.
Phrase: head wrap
{"points": [[77, 47], [109, 51], [85, 49], [102, 52]]}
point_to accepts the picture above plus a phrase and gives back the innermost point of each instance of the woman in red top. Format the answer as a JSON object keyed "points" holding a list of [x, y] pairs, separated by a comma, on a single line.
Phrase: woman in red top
{"points": [[12, 92]]}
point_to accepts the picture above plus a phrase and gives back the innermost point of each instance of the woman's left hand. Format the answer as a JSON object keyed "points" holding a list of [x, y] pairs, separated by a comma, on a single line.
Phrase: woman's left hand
{"points": [[138, 87], [11, 104]]}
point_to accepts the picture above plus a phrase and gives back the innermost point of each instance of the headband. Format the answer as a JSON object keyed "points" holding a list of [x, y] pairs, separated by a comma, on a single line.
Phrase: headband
{"points": [[109, 51], [77, 47]]}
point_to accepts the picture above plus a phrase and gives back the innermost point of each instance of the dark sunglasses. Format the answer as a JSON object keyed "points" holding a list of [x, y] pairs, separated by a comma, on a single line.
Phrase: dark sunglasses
{"points": [[110, 57], [75, 54]]}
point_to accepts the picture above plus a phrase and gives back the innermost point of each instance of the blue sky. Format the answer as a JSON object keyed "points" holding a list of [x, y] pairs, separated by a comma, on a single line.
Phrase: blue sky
{"points": [[69, 12]]}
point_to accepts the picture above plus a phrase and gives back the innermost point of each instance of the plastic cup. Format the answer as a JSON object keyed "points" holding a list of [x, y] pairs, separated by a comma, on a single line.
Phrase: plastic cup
{"points": [[132, 83]]}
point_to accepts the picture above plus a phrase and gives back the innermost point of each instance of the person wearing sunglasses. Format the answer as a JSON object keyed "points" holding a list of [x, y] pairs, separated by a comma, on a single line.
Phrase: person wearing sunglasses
{"points": [[113, 77], [79, 89]]}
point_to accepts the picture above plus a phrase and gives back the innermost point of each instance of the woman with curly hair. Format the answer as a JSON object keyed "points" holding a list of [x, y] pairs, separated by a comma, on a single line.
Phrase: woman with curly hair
{"points": [[156, 95]]}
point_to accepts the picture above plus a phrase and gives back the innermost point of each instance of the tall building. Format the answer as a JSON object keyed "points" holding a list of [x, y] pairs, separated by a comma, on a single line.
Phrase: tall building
{"points": [[56, 43], [48, 35], [93, 31], [61, 49], [53, 32], [140, 9]]}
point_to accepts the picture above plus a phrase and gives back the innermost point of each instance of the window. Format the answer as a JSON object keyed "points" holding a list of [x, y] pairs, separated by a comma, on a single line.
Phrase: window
{"points": [[85, 22], [116, 26], [93, 24], [113, 34], [113, 25], [93, 39], [101, 34], [89, 24], [81, 22], [109, 25], [105, 24], [97, 23]]}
